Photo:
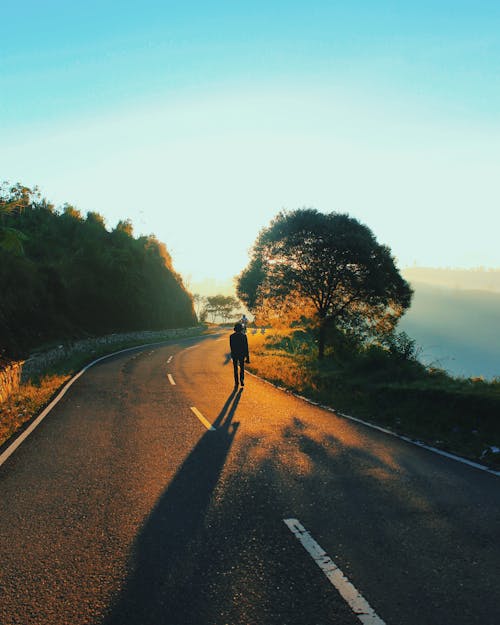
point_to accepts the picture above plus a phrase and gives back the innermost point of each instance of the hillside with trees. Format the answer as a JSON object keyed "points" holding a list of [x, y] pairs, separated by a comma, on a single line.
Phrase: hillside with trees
{"points": [[64, 275]]}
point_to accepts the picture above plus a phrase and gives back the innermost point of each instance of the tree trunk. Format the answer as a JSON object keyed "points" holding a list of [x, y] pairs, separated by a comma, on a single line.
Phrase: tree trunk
{"points": [[322, 338]]}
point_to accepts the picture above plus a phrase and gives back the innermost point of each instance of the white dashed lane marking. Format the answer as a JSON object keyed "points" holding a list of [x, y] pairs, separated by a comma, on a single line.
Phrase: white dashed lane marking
{"points": [[352, 597], [206, 423], [170, 379]]}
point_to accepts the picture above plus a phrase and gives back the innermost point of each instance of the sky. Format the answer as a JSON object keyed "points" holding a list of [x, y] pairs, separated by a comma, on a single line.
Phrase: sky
{"points": [[200, 121]]}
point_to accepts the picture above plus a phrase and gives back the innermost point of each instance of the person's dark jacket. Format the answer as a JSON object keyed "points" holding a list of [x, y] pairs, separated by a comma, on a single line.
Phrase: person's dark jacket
{"points": [[239, 345]]}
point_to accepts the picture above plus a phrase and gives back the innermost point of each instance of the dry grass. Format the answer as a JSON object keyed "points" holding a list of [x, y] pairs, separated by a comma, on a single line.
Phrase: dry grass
{"points": [[33, 396], [26, 402], [276, 365]]}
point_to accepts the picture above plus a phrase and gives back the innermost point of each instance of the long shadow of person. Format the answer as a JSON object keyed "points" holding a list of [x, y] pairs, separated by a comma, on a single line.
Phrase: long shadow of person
{"points": [[164, 564]]}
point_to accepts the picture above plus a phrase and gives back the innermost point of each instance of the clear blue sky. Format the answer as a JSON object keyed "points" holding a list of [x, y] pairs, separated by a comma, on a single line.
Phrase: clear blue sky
{"points": [[201, 120]]}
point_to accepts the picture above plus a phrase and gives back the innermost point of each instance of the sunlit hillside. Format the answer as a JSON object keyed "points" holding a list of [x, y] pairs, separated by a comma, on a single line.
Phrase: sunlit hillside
{"points": [[65, 276], [457, 329]]}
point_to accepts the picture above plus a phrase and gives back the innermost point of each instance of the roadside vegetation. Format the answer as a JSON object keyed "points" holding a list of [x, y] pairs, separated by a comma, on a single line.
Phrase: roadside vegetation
{"points": [[36, 392], [383, 382], [334, 297], [31, 397], [65, 276]]}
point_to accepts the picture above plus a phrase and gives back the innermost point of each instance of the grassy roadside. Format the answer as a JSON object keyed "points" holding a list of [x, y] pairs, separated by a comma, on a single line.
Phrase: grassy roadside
{"points": [[34, 394], [28, 401], [457, 415]]}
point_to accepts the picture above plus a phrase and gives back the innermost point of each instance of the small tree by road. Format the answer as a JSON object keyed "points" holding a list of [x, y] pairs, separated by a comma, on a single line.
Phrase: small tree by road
{"points": [[221, 306], [199, 302]]}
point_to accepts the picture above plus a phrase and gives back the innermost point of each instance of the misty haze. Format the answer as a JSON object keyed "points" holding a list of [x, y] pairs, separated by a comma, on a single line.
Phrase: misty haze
{"points": [[454, 318]]}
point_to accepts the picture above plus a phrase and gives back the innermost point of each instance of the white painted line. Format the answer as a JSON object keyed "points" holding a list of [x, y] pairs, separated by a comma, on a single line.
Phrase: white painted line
{"points": [[170, 379], [358, 604], [22, 437], [206, 423], [412, 441], [170, 359], [373, 426]]}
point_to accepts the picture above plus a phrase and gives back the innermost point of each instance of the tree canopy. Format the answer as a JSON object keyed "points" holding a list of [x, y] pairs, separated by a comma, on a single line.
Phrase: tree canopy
{"points": [[222, 306], [328, 265], [69, 276], [14, 201]]}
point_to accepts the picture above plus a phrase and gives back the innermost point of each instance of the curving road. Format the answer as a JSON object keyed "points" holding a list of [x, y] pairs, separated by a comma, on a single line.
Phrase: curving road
{"points": [[126, 506]]}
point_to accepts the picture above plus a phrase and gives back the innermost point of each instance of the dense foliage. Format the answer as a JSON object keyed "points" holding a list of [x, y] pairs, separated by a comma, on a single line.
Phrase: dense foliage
{"points": [[63, 275], [330, 266]]}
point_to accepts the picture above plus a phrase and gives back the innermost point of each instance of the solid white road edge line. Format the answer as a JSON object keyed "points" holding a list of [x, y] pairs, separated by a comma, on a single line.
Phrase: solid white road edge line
{"points": [[170, 379], [353, 598], [206, 423], [401, 437], [24, 435]]}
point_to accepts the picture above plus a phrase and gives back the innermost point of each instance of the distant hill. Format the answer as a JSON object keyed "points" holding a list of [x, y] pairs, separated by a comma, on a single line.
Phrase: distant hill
{"points": [[457, 329], [469, 279]]}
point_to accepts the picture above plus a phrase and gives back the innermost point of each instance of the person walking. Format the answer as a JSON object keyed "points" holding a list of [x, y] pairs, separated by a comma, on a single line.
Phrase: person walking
{"points": [[244, 323], [239, 353]]}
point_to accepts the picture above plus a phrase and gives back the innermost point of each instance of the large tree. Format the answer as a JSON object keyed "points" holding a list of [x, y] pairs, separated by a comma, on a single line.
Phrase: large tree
{"points": [[330, 264]]}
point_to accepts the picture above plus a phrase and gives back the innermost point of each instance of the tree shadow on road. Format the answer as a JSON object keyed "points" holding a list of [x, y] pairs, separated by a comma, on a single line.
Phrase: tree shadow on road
{"points": [[394, 515], [164, 569]]}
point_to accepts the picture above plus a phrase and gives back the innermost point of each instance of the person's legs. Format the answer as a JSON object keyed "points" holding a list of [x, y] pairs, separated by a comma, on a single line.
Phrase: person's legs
{"points": [[235, 367], [242, 371]]}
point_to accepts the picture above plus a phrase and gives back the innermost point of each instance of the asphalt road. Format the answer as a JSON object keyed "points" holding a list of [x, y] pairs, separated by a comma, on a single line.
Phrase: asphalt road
{"points": [[123, 508]]}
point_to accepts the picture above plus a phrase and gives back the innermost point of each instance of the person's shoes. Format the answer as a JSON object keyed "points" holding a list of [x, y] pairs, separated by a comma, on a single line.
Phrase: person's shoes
{"points": [[242, 383]]}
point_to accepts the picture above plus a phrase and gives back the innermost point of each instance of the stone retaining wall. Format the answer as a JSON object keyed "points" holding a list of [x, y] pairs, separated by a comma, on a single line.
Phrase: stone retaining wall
{"points": [[15, 373]]}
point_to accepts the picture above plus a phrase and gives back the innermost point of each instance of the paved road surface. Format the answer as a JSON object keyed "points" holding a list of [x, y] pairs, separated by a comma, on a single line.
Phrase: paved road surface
{"points": [[123, 508]]}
